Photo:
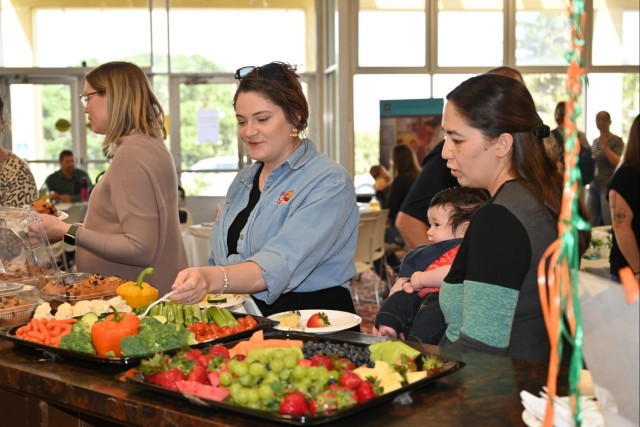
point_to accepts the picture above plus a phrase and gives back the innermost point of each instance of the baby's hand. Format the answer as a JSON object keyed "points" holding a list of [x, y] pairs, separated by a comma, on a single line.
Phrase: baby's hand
{"points": [[416, 283], [385, 331]]}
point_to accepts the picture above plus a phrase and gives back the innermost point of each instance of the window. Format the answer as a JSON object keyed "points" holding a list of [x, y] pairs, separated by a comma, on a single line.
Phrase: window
{"points": [[543, 34], [392, 34], [615, 33], [470, 33]]}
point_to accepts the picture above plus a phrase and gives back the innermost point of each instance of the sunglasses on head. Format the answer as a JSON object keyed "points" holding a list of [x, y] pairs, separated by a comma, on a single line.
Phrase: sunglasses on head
{"points": [[263, 71]]}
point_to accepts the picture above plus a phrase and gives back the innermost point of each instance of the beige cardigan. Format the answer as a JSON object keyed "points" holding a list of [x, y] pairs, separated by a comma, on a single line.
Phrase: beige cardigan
{"points": [[132, 221]]}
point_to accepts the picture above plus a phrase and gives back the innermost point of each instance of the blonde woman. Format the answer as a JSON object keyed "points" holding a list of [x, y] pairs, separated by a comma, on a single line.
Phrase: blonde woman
{"points": [[132, 221]]}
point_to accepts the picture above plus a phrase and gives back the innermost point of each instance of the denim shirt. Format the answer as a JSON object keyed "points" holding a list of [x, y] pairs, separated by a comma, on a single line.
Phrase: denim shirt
{"points": [[302, 232]]}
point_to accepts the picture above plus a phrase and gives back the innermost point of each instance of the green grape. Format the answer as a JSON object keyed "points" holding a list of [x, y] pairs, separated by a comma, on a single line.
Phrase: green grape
{"points": [[313, 372], [234, 390], [246, 380], [323, 375], [271, 377], [265, 391], [335, 375], [277, 365], [299, 372], [278, 354], [253, 395], [254, 405], [241, 369], [226, 378], [231, 365], [290, 361], [285, 374], [242, 396], [257, 369]]}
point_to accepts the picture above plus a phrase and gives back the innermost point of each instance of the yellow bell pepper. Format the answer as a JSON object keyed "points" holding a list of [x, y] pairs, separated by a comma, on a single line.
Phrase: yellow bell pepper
{"points": [[138, 294]]}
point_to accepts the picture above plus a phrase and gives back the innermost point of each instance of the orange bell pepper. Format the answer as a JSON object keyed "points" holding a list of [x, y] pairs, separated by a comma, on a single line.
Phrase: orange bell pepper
{"points": [[107, 334]]}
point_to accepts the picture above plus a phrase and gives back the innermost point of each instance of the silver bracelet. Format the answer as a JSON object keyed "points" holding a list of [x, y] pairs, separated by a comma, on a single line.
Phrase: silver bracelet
{"points": [[226, 282]]}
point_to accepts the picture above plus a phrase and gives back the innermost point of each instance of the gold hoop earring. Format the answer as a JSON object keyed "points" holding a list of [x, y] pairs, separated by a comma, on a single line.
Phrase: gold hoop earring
{"points": [[294, 132]]}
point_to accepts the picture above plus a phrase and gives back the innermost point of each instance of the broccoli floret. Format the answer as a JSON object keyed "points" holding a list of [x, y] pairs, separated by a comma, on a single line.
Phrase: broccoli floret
{"points": [[79, 339], [154, 336]]}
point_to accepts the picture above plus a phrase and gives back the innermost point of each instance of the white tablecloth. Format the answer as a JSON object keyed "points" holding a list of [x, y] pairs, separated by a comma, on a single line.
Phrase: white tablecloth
{"points": [[197, 244]]}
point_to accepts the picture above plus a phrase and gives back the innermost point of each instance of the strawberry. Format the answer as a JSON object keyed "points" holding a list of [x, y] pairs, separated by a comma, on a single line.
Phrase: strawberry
{"points": [[219, 350], [322, 360], [318, 320], [350, 380], [343, 364], [198, 374], [294, 404], [167, 379], [366, 391], [197, 356]]}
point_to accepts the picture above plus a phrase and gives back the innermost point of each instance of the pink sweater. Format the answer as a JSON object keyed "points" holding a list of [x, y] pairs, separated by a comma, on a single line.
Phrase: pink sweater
{"points": [[132, 221]]}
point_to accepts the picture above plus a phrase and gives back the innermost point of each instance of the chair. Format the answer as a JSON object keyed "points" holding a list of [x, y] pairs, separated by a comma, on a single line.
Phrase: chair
{"points": [[363, 257]]}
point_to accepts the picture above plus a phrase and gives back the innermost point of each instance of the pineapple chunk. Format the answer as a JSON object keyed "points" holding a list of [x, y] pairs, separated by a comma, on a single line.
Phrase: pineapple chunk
{"points": [[412, 377]]}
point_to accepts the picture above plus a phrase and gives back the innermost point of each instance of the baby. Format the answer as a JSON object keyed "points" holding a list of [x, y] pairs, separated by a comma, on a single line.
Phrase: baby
{"points": [[412, 310]]}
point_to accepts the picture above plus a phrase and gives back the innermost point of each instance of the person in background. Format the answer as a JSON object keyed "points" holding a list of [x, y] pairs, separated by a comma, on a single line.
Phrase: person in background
{"points": [[17, 185], [65, 184], [382, 182], [554, 145], [411, 220], [287, 231], [490, 297], [405, 169], [412, 310], [624, 199], [132, 220], [607, 149]]}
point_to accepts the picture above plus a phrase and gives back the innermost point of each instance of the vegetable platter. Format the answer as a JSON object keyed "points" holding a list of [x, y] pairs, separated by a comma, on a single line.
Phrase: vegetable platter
{"points": [[123, 339], [292, 377]]}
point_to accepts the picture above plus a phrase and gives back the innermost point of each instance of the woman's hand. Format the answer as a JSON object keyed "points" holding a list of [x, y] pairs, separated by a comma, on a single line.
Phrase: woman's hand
{"points": [[402, 284], [53, 227], [191, 285]]}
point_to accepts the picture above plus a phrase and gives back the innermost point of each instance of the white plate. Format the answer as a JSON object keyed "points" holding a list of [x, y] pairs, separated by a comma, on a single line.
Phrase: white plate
{"points": [[62, 215], [232, 301], [340, 320]]}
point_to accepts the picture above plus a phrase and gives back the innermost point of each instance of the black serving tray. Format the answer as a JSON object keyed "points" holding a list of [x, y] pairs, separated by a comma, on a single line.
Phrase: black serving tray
{"points": [[10, 334], [135, 376]]}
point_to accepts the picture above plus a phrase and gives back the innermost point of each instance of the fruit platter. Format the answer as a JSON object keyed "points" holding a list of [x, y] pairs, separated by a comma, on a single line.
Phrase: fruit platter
{"points": [[291, 377], [109, 332]]}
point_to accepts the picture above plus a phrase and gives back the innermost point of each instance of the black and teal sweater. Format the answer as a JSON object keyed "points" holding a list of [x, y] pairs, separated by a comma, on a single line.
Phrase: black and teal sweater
{"points": [[490, 297]]}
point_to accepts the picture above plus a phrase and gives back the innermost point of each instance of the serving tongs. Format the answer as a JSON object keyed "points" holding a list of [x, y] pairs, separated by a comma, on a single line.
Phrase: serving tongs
{"points": [[153, 304]]}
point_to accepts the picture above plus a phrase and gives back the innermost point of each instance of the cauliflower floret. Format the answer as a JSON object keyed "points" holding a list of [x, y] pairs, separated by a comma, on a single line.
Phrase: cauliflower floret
{"points": [[99, 306], [120, 304], [64, 311], [81, 308], [43, 311]]}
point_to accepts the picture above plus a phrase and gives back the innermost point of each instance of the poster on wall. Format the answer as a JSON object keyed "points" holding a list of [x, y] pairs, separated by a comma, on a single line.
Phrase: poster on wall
{"points": [[415, 122]]}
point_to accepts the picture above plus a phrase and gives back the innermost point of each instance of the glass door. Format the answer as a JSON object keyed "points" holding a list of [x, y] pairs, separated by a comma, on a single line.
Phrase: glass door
{"points": [[45, 117], [203, 133]]}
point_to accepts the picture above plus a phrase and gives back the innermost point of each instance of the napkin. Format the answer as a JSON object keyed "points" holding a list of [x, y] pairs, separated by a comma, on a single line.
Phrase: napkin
{"points": [[562, 416]]}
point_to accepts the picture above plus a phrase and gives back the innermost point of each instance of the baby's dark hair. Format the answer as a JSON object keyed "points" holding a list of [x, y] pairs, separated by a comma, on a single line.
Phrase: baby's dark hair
{"points": [[464, 202]]}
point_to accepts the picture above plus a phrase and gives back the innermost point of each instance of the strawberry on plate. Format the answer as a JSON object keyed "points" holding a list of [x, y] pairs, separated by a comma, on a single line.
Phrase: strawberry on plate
{"points": [[318, 320]]}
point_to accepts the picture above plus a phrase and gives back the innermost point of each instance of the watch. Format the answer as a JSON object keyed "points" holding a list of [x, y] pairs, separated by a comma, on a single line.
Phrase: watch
{"points": [[70, 235]]}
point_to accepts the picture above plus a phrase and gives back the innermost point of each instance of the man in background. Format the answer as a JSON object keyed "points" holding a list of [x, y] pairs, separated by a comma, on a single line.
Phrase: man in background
{"points": [[65, 184]]}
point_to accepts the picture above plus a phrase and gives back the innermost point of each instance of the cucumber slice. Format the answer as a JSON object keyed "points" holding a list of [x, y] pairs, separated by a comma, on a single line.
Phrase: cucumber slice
{"points": [[216, 300], [89, 319], [160, 318]]}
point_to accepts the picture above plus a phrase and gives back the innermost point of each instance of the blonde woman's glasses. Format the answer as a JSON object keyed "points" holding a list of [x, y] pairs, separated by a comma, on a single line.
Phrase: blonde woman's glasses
{"points": [[84, 98]]}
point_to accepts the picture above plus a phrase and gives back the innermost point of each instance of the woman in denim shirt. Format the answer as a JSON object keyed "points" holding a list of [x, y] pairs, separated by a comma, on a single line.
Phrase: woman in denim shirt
{"points": [[287, 232]]}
